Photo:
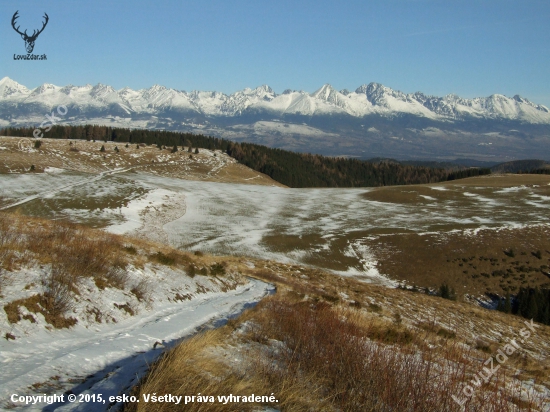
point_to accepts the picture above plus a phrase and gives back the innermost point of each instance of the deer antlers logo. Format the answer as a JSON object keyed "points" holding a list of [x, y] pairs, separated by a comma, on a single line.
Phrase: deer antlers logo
{"points": [[29, 40]]}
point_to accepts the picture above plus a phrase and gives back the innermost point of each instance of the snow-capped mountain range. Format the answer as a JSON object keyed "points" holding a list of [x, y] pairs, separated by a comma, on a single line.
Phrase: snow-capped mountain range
{"points": [[372, 120], [372, 98]]}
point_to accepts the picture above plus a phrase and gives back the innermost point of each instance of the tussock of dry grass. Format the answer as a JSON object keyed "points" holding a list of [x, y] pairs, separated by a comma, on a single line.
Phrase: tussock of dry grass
{"points": [[188, 370], [48, 305]]}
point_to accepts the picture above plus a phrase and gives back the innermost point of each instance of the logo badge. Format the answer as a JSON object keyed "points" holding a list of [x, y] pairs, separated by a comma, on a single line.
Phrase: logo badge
{"points": [[29, 40]]}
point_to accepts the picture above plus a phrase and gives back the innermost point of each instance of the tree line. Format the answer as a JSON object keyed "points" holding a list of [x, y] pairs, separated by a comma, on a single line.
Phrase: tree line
{"points": [[289, 168], [470, 172], [309, 170], [530, 303], [543, 171]]}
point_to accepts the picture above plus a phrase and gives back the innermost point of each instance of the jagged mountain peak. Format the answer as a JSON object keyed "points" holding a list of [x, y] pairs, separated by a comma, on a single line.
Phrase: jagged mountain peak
{"points": [[9, 87], [46, 87], [263, 92], [157, 88], [361, 89], [324, 92], [264, 88], [371, 87], [102, 88], [6, 81]]}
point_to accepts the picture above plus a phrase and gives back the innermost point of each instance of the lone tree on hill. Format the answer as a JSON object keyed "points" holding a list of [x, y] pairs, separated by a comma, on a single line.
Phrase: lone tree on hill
{"points": [[102, 148], [174, 149], [197, 150], [446, 292]]}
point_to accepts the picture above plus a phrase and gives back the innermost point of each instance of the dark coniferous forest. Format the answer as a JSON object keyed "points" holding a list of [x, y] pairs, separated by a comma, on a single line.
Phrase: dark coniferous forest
{"points": [[531, 303]]}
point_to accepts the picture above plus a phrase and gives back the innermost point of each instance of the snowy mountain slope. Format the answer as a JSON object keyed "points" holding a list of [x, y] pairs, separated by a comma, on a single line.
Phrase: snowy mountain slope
{"points": [[9, 88], [368, 99], [372, 121]]}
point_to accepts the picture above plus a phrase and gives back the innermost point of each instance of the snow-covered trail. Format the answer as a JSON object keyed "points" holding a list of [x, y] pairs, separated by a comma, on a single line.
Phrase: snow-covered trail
{"points": [[109, 359]]}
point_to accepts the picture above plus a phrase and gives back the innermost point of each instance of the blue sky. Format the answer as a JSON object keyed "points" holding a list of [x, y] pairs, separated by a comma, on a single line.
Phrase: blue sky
{"points": [[470, 48]]}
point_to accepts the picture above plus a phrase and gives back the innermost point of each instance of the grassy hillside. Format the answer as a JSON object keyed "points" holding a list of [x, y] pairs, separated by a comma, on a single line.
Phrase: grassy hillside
{"points": [[19, 155], [288, 168], [325, 343]]}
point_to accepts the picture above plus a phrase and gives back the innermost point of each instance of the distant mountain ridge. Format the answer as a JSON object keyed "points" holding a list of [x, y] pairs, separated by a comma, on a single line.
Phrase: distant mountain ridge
{"points": [[374, 120], [372, 98]]}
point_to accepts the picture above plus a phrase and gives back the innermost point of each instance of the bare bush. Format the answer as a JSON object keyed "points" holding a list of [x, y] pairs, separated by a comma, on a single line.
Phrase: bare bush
{"points": [[172, 258], [117, 277], [142, 290], [363, 364], [191, 270], [57, 291], [10, 241]]}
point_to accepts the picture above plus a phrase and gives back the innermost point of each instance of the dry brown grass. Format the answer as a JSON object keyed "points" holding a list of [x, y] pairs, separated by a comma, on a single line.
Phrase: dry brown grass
{"points": [[352, 372], [470, 264], [53, 311], [377, 349], [316, 356], [71, 252], [84, 156], [67, 254], [188, 370]]}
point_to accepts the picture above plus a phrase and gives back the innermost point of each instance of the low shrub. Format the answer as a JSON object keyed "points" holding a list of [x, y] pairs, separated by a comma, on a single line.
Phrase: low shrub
{"points": [[142, 290], [217, 269], [509, 253], [48, 306], [191, 270]]}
